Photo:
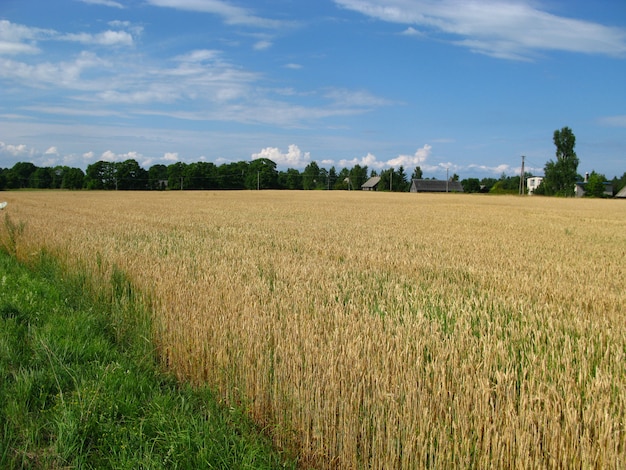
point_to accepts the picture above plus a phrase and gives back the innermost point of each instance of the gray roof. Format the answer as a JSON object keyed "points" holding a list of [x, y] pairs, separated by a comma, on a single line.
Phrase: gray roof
{"points": [[435, 186], [372, 182], [621, 193]]}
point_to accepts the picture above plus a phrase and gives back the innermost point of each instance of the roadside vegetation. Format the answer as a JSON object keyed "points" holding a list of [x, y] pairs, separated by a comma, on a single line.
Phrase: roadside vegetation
{"points": [[79, 386]]}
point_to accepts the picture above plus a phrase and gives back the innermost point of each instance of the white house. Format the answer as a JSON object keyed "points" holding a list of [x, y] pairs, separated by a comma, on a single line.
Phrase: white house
{"points": [[533, 183]]}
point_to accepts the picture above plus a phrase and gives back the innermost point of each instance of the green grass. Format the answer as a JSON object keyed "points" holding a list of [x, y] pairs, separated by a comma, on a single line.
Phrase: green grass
{"points": [[79, 387]]}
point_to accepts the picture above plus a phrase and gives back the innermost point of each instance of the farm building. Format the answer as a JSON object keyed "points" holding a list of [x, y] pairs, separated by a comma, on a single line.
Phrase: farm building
{"points": [[579, 188], [622, 193], [533, 183], [371, 184], [436, 186]]}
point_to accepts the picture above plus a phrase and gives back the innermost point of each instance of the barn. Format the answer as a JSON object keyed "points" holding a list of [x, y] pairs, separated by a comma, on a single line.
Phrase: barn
{"points": [[371, 184], [435, 186]]}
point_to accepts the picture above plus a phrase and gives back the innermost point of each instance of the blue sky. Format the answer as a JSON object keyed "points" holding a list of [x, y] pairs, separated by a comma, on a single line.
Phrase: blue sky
{"points": [[461, 86]]}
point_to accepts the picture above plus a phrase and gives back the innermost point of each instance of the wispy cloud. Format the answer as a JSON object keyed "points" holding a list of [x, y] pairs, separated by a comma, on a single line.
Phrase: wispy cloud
{"points": [[614, 121], [507, 29], [106, 3], [17, 39], [231, 14]]}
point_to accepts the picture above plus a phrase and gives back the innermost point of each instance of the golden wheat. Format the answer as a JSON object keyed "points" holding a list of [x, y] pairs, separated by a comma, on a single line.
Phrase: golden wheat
{"points": [[371, 330]]}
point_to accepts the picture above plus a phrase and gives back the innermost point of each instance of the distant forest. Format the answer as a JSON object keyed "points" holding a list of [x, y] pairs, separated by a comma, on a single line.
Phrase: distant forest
{"points": [[256, 174]]}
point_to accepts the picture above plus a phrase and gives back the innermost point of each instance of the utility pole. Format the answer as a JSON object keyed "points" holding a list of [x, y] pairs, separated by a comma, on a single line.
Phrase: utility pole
{"points": [[521, 180], [447, 179], [258, 180], [391, 180]]}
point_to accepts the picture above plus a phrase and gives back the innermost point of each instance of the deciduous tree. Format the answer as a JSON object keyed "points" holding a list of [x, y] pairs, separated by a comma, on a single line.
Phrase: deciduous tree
{"points": [[560, 175]]}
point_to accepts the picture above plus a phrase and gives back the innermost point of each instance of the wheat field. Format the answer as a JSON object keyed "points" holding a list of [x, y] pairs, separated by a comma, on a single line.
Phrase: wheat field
{"points": [[376, 330]]}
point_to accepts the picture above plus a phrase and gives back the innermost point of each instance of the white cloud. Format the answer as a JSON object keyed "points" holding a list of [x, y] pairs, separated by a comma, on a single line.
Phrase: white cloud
{"points": [[419, 158], [20, 150], [411, 31], [368, 160], [19, 39], [51, 151], [15, 48], [509, 29], [294, 158], [614, 121], [409, 161], [231, 14], [106, 38], [495, 170], [354, 98], [262, 45], [106, 3], [293, 66], [171, 157]]}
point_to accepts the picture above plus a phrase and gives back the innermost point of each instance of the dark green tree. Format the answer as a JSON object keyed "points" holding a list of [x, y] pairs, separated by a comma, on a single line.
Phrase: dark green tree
{"points": [[19, 175], [41, 178], [619, 183], [342, 179], [176, 176], [101, 175], [130, 175], [400, 182], [417, 173], [560, 175], [202, 175], [157, 177], [471, 185], [595, 185], [332, 177], [73, 178], [358, 176], [311, 176], [233, 175], [262, 174]]}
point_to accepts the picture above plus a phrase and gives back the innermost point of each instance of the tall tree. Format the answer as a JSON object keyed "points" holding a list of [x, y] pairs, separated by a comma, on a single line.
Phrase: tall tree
{"points": [[311, 175], [101, 175], [262, 174], [417, 173], [560, 175]]}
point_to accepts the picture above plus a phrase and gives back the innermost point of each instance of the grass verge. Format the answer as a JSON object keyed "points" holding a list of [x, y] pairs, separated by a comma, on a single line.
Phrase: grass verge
{"points": [[79, 389]]}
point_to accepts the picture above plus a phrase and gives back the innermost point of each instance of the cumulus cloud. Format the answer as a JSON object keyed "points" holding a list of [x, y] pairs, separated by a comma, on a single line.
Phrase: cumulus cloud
{"points": [[507, 29], [171, 157], [110, 156], [51, 151], [294, 158], [19, 150], [418, 158]]}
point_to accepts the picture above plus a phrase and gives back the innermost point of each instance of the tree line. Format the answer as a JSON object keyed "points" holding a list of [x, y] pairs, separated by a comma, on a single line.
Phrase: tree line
{"points": [[560, 176], [256, 174]]}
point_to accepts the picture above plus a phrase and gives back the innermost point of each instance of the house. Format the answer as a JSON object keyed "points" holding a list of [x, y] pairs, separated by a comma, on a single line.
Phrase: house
{"points": [[371, 184], [533, 183], [436, 186], [579, 188]]}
